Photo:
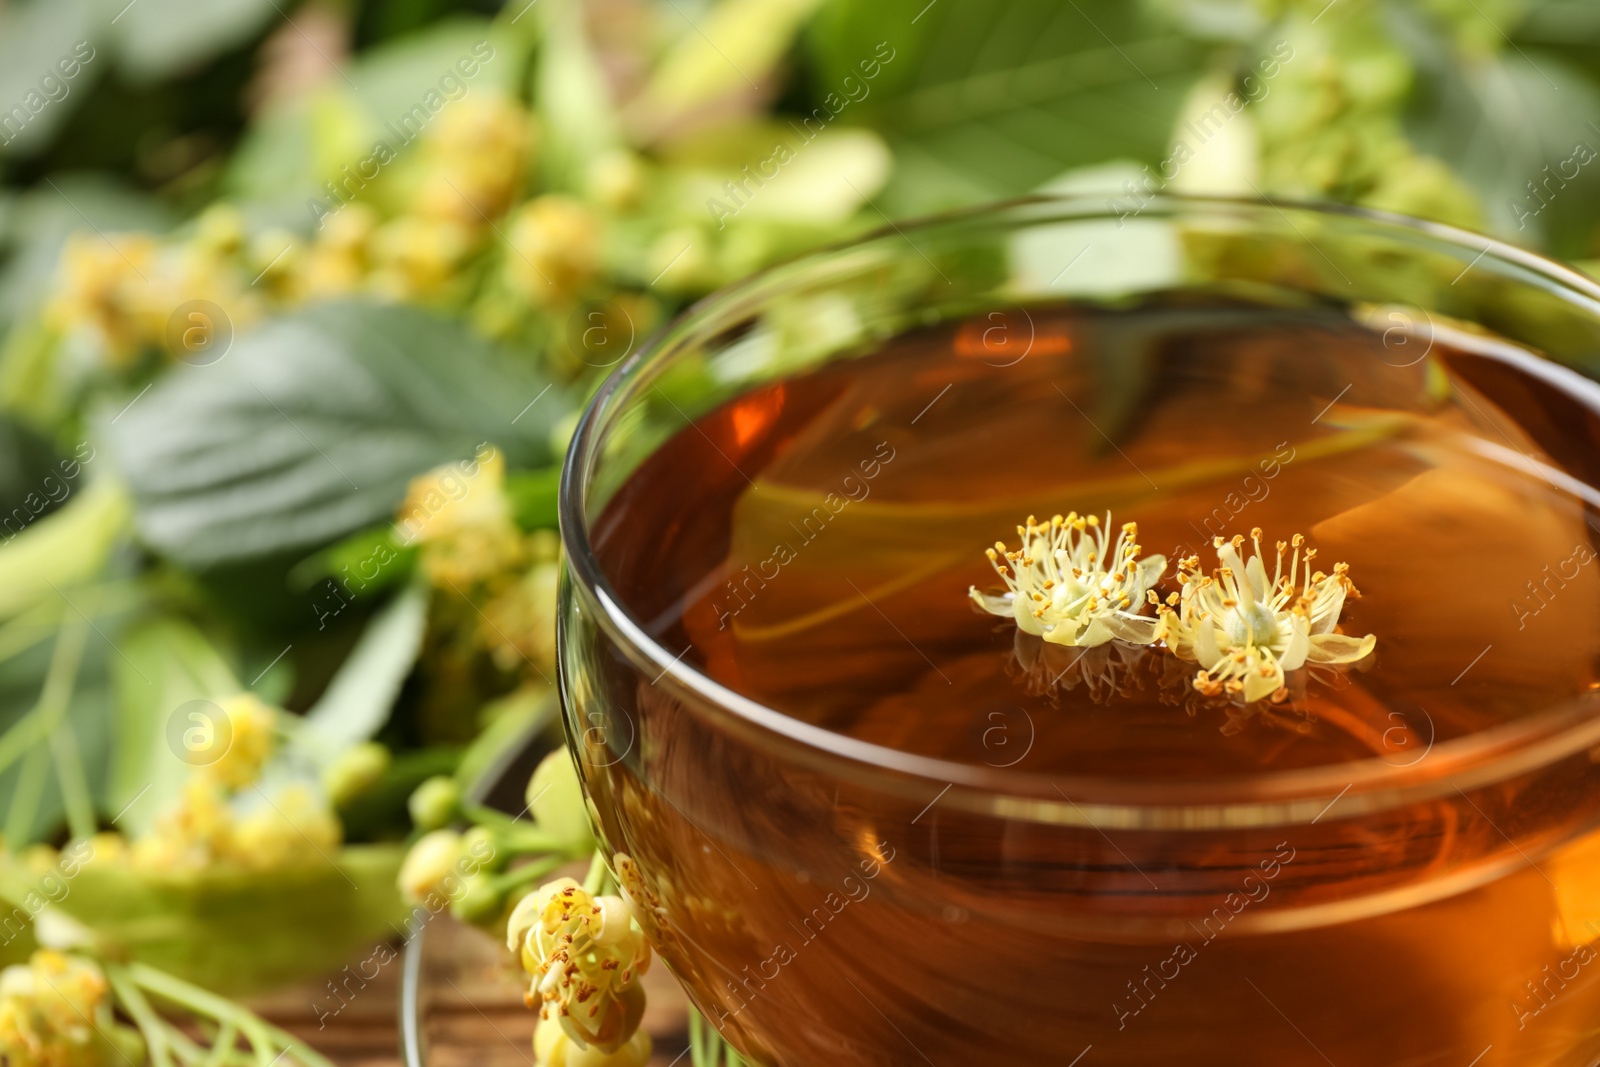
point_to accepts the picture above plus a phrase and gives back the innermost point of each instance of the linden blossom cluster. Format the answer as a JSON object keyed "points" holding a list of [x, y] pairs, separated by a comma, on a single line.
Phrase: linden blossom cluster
{"points": [[407, 128], [1068, 585]]}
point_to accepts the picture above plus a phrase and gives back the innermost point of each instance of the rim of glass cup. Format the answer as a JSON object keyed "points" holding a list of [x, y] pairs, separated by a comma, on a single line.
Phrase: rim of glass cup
{"points": [[1265, 798]]}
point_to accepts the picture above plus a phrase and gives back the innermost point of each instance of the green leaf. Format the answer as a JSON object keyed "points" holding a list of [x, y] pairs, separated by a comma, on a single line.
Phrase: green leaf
{"points": [[33, 36], [30, 481], [394, 76], [62, 549], [511, 723], [574, 100], [1499, 121], [233, 930], [357, 701], [533, 497], [989, 100], [297, 144], [312, 427], [348, 560], [159, 38]]}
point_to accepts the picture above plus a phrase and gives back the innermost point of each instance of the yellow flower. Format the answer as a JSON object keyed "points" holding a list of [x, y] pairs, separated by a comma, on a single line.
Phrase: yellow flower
{"points": [[415, 257], [220, 230], [295, 829], [51, 1010], [460, 514], [104, 288], [276, 257], [340, 258], [584, 955], [475, 158], [250, 742], [555, 249], [617, 180], [1246, 629], [1066, 586], [193, 833], [553, 1047], [520, 622]]}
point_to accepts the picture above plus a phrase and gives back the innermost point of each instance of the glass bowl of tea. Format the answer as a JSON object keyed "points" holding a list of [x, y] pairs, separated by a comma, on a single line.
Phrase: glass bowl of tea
{"points": [[1055, 633]]}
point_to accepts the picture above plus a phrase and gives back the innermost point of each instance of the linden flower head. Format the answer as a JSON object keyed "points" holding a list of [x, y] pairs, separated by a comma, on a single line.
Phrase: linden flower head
{"points": [[1246, 629], [50, 1011], [1068, 585], [585, 954], [249, 741]]}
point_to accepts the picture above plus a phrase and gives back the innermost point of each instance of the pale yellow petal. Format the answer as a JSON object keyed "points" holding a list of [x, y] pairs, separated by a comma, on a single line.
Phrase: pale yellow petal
{"points": [[1258, 684], [1325, 613], [990, 602], [1256, 571], [1134, 629], [1340, 648], [1299, 646], [1151, 569]]}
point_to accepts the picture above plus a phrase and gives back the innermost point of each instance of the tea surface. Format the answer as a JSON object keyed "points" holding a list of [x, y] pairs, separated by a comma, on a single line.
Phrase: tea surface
{"points": [[837, 520]]}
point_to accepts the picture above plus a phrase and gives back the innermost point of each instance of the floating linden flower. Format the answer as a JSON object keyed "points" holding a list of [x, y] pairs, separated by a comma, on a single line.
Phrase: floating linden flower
{"points": [[1064, 586], [1247, 630]]}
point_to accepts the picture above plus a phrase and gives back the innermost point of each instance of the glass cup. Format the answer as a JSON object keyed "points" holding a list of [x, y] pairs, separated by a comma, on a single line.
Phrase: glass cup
{"points": [[829, 901]]}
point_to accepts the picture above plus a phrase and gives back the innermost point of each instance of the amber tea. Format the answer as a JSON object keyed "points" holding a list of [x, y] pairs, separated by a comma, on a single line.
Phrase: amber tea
{"points": [[1125, 822]]}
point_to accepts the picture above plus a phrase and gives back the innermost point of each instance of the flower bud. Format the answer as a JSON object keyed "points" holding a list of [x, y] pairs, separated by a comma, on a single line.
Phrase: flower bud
{"points": [[478, 847], [554, 1047], [555, 800], [430, 862], [479, 900], [250, 741], [355, 772], [555, 248], [220, 229], [616, 179], [434, 802]]}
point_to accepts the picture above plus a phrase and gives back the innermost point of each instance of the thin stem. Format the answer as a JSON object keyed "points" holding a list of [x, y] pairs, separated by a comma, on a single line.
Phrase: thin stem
{"points": [[527, 841], [263, 1036], [54, 696], [20, 737], [298, 1049], [25, 797], [223, 1045], [516, 834], [143, 1016], [40, 621], [30, 627], [528, 872], [697, 1041], [186, 1050], [73, 783]]}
